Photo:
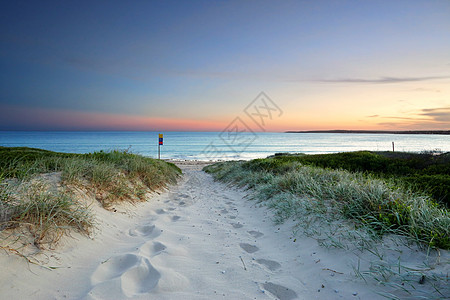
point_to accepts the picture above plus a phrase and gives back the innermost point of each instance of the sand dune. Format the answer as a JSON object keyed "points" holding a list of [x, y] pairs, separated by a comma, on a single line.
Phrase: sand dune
{"points": [[199, 240]]}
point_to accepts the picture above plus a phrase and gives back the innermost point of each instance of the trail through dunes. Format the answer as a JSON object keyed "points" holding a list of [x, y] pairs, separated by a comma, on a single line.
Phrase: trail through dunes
{"points": [[199, 240]]}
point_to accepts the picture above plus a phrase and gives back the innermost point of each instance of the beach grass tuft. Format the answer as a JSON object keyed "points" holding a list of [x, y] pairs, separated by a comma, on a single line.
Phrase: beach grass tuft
{"points": [[46, 212], [383, 204], [36, 187]]}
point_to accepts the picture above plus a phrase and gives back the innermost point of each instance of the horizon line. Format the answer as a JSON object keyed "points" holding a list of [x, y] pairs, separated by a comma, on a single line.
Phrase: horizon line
{"points": [[260, 131]]}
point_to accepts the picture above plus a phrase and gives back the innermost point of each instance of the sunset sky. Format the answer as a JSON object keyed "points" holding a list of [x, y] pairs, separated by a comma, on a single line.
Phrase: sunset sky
{"points": [[196, 65]]}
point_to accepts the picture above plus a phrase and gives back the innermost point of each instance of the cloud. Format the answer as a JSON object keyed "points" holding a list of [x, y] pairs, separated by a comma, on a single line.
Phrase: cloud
{"points": [[426, 90], [406, 118], [381, 80], [437, 114], [413, 125], [424, 119], [373, 116]]}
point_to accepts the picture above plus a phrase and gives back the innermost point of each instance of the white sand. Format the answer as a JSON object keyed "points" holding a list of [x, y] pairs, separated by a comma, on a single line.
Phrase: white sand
{"points": [[200, 240]]}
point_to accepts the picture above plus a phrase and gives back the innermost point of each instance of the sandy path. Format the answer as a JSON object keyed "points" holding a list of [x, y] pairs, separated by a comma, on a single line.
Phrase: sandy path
{"points": [[200, 240], [203, 241]]}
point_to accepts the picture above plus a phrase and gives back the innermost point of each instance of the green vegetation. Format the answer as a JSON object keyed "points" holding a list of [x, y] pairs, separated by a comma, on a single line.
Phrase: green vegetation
{"points": [[45, 212], [357, 186], [37, 187], [423, 172], [114, 175]]}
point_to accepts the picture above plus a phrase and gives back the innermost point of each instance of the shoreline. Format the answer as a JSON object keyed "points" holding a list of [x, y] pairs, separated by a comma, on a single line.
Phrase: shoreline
{"points": [[192, 145]]}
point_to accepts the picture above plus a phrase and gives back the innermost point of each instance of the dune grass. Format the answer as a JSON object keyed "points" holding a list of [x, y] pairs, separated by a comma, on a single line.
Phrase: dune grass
{"points": [[423, 172], [380, 204], [115, 175], [47, 209], [374, 217], [45, 212]]}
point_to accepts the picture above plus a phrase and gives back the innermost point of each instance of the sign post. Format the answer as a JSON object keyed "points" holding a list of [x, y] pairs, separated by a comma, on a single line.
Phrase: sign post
{"points": [[159, 145]]}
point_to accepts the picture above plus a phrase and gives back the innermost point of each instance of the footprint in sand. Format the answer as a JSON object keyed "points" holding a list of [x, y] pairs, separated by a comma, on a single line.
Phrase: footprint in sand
{"points": [[232, 217], [152, 248], [135, 274], [237, 225], [279, 291], [160, 211], [147, 230], [114, 267], [269, 264], [255, 234], [181, 203], [248, 248], [140, 279], [128, 274], [175, 218], [224, 211]]}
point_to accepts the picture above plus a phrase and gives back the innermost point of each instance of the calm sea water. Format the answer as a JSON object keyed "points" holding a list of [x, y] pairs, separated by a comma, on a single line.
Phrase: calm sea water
{"points": [[220, 145]]}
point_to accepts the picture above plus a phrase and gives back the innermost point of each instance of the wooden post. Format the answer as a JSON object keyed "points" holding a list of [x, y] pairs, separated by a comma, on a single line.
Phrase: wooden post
{"points": [[393, 150]]}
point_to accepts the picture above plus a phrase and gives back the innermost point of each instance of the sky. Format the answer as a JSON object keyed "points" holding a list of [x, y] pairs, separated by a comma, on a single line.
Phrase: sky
{"points": [[199, 65]]}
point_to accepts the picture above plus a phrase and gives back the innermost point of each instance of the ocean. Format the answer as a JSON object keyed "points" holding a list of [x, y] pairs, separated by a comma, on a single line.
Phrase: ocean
{"points": [[220, 145]]}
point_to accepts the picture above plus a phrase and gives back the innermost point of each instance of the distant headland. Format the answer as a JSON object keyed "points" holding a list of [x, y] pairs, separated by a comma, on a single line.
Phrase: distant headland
{"points": [[375, 131]]}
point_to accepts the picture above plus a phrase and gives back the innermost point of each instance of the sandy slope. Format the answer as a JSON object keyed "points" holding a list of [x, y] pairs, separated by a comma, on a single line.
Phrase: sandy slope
{"points": [[200, 240]]}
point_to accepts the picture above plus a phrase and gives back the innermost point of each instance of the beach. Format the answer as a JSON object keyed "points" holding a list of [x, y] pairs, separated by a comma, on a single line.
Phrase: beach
{"points": [[208, 146], [199, 239], [225, 150]]}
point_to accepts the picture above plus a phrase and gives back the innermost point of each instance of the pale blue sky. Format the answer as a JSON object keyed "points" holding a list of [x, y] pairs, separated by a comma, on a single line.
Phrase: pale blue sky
{"points": [[328, 64]]}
